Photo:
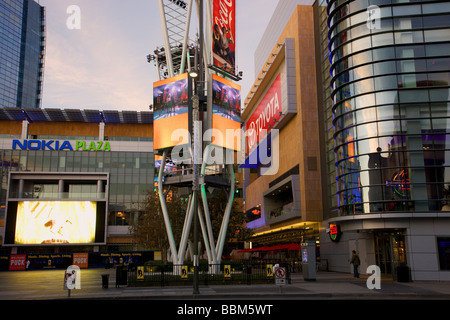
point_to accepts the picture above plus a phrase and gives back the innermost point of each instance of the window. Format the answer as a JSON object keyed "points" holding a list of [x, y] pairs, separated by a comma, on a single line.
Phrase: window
{"points": [[444, 253]]}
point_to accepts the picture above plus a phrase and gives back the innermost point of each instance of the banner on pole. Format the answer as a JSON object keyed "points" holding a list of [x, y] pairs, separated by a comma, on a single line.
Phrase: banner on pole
{"points": [[224, 35]]}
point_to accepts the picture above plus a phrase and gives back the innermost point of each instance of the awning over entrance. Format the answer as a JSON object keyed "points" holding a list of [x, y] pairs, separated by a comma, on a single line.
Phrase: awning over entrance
{"points": [[279, 247]]}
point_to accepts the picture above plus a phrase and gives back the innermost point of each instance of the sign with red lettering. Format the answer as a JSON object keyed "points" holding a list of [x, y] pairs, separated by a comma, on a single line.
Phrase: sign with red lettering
{"points": [[224, 34], [17, 262], [80, 260], [335, 232], [265, 116]]}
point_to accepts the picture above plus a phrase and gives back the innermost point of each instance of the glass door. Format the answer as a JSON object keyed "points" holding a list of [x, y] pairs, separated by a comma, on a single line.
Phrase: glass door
{"points": [[383, 253], [390, 252], [398, 251]]}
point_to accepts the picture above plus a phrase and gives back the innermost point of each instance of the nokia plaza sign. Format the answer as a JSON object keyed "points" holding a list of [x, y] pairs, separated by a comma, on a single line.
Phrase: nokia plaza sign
{"points": [[55, 145]]}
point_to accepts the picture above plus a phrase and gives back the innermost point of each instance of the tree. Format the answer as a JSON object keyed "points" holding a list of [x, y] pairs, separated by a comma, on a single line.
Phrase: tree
{"points": [[150, 231]]}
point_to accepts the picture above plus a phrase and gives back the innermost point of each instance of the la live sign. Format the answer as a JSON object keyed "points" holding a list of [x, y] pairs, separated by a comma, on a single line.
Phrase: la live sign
{"points": [[266, 114]]}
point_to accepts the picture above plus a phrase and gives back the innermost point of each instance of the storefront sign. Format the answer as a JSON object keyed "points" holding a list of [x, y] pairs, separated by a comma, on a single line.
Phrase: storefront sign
{"points": [[80, 260], [17, 262], [400, 183], [265, 116], [334, 232], [55, 145]]}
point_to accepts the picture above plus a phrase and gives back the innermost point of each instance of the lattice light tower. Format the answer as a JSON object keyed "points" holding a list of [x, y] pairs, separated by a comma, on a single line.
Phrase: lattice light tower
{"points": [[174, 57]]}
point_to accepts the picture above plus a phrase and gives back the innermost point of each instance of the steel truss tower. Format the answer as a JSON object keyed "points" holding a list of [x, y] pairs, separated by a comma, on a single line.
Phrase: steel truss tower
{"points": [[177, 57]]}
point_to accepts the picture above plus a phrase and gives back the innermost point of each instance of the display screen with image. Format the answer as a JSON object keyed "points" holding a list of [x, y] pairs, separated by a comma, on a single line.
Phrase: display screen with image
{"points": [[55, 222], [170, 110], [226, 113]]}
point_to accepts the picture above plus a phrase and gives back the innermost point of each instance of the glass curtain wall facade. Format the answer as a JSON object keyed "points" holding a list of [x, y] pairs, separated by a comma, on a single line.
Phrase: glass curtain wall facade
{"points": [[22, 46], [390, 73], [131, 175]]}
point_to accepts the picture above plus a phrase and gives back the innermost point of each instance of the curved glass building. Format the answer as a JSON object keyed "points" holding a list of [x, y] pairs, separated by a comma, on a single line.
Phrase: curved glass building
{"points": [[388, 119], [390, 69]]}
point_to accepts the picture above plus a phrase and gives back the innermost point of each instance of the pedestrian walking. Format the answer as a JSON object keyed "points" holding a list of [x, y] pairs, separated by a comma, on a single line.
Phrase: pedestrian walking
{"points": [[356, 262], [27, 265]]}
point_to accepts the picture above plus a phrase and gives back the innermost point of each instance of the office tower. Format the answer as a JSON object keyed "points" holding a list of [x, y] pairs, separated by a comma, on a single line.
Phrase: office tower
{"points": [[22, 43]]}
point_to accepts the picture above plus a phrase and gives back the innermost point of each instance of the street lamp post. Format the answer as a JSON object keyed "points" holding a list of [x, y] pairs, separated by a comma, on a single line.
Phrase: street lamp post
{"points": [[196, 185], [198, 145]]}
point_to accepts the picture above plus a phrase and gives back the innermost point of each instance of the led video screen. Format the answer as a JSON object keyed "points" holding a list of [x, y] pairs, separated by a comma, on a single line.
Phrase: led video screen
{"points": [[170, 111], [55, 222], [227, 113]]}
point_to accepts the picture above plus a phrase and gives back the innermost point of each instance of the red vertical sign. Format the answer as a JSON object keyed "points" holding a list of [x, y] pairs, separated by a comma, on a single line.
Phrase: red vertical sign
{"points": [[17, 262], [266, 114], [224, 34]]}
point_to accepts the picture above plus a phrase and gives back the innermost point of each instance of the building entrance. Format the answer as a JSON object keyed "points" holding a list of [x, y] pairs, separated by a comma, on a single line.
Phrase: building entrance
{"points": [[390, 251]]}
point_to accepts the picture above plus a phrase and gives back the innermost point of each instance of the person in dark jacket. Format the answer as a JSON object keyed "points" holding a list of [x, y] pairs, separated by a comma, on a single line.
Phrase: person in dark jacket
{"points": [[356, 262]]}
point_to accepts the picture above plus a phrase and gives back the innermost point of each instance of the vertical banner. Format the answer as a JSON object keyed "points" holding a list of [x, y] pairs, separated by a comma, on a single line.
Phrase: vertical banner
{"points": [[269, 270], [140, 273], [227, 271], [224, 34], [184, 272]]}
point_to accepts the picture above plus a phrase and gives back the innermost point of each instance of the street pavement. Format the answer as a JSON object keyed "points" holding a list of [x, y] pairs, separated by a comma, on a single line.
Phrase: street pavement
{"points": [[49, 285]]}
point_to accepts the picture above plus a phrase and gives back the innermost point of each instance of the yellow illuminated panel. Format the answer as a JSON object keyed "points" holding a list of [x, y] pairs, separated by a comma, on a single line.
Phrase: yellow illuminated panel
{"points": [[226, 133], [166, 129], [55, 222]]}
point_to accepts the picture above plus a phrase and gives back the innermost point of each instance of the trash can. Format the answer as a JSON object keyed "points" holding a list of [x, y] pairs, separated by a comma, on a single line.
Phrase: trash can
{"points": [[403, 274], [105, 281], [121, 276]]}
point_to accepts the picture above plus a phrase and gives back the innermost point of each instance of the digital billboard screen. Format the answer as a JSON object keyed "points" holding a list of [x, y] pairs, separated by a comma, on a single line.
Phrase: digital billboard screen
{"points": [[227, 113], [51, 222], [170, 111], [55, 222]]}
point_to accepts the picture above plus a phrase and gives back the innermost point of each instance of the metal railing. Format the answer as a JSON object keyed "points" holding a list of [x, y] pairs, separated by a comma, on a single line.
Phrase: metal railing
{"points": [[225, 273]]}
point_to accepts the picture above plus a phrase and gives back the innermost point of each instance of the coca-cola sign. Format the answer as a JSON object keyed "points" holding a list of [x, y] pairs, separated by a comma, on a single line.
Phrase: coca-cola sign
{"points": [[224, 34], [265, 116]]}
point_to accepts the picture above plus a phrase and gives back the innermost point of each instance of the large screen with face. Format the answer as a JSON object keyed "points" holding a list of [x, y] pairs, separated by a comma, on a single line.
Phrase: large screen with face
{"points": [[55, 222]]}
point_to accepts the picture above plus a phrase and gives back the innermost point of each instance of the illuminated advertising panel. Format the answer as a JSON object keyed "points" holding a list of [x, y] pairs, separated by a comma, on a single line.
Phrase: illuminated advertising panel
{"points": [[55, 222], [17, 262], [265, 116], [226, 114], [224, 34], [170, 111]]}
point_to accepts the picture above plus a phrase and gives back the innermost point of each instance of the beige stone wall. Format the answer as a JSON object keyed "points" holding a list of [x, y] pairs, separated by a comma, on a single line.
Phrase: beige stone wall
{"points": [[299, 138]]}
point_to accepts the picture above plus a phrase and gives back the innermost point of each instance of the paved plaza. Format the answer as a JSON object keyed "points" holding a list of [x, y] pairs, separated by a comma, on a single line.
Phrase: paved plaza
{"points": [[49, 285]]}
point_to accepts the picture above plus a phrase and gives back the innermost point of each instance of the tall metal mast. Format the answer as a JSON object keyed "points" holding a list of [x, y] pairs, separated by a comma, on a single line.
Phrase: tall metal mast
{"points": [[173, 59]]}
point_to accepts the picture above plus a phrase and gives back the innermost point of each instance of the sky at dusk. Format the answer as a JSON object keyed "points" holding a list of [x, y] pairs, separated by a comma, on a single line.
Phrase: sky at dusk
{"points": [[103, 64]]}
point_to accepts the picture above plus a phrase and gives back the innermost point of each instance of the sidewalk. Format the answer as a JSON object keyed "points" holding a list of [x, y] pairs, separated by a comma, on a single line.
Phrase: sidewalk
{"points": [[48, 285]]}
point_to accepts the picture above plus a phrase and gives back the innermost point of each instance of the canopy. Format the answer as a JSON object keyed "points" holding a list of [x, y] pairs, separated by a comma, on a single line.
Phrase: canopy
{"points": [[279, 247]]}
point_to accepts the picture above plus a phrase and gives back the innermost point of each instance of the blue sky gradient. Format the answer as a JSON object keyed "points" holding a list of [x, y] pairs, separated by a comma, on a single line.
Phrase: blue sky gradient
{"points": [[103, 64]]}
